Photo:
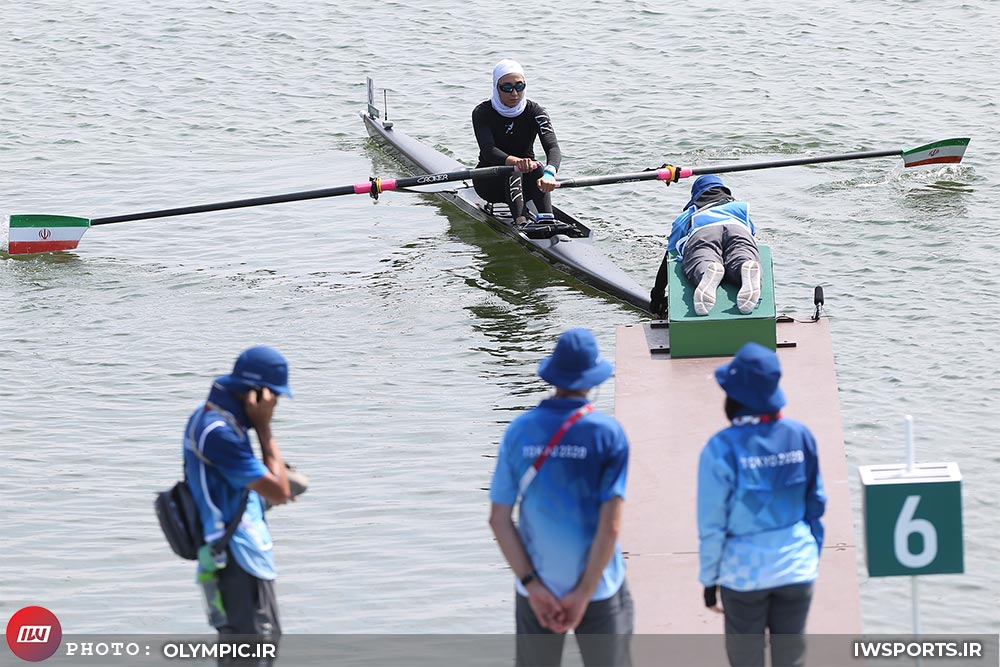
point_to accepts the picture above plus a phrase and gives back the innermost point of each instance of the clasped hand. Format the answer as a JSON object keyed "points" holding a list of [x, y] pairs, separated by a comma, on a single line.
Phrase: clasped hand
{"points": [[555, 614]]}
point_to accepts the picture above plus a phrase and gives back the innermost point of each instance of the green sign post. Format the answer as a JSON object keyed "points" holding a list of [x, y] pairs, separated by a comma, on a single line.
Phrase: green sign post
{"points": [[913, 519]]}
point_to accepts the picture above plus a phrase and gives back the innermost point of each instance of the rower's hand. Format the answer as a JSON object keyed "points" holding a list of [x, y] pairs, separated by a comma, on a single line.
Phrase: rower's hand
{"points": [[523, 164], [547, 183]]}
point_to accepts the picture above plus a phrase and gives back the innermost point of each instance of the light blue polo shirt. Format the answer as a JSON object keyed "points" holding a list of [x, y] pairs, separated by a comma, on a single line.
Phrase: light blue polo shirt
{"points": [[220, 437], [558, 514]]}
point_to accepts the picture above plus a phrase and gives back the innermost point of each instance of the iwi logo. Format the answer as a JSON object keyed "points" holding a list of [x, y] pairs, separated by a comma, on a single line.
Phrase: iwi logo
{"points": [[510, 128], [34, 634], [44, 234]]}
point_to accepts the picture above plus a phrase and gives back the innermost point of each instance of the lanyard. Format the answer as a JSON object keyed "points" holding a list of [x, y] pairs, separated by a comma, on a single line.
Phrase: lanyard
{"points": [[756, 419], [532, 470]]}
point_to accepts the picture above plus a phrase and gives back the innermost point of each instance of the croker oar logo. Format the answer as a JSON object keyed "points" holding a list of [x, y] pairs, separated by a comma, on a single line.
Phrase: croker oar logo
{"points": [[44, 234]]}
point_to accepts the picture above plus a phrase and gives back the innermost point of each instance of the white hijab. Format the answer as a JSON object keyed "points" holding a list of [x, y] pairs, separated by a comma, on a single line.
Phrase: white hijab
{"points": [[503, 68]]}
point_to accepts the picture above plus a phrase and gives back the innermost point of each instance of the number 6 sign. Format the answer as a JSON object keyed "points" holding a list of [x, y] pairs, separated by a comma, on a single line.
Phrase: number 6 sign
{"points": [[913, 520]]}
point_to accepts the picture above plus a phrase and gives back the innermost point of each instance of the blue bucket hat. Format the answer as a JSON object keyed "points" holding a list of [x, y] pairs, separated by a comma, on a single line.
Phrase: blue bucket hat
{"points": [[575, 363], [751, 379], [259, 366], [703, 183]]}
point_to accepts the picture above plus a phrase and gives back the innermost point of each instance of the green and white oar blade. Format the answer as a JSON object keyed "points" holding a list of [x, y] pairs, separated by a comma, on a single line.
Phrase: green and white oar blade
{"points": [[44, 233], [948, 151]]}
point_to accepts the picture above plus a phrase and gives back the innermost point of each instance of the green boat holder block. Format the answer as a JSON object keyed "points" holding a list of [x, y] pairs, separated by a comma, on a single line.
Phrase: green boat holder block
{"points": [[725, 329]]}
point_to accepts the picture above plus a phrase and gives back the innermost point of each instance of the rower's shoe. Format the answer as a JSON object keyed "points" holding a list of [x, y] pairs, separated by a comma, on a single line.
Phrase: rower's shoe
{"points": [[704, 293], [543, 219], [749, 294]]}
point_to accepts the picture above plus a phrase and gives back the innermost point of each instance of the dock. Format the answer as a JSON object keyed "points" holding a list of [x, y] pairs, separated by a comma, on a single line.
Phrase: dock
{"points": [[669, 408]]}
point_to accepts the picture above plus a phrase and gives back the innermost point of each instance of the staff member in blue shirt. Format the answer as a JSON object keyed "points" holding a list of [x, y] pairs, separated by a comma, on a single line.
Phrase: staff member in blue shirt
{"points": [[220, 466], [760, 499], [569, 570]]}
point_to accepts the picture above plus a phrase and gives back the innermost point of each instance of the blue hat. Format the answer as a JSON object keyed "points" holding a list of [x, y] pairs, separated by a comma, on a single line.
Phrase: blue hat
{"points": [[259, 366], [575, 363], [703, 183], [751, 379]]}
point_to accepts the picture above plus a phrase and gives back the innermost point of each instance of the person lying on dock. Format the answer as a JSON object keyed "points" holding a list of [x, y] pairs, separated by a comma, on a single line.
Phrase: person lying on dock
{"points": [[760, 499], [568, 566], [714, 240], [506, 126]]}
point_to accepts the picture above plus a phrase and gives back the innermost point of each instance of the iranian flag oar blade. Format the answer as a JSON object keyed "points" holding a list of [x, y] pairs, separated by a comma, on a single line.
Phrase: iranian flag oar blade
{"points": [[47, 233], [948, 151], [44, 233]]}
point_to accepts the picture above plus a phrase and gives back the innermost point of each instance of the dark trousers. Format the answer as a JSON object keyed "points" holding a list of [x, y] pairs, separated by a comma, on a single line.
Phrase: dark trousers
{"points": [[514, 191], [604, 634], [730, 245], [251, 610], [782, 611]]}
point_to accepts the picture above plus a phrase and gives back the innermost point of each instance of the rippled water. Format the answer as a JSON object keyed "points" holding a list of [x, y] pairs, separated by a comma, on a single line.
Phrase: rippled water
{"points": [[412, 332]]}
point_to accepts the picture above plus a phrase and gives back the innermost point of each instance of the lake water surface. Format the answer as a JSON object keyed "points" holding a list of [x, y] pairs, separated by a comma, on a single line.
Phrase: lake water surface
{"points": [[413, 332]]}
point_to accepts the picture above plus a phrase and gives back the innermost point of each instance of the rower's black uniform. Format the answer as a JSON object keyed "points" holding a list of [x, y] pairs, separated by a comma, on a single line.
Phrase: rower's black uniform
{"points": [[500, 137]]}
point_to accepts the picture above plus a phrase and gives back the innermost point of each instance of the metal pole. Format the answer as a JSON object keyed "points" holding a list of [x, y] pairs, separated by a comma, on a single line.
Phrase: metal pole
{"points": [[908, 434]]}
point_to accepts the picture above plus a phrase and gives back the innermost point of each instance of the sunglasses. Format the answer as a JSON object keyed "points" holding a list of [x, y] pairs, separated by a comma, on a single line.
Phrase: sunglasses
{"points": [[511, 87]]}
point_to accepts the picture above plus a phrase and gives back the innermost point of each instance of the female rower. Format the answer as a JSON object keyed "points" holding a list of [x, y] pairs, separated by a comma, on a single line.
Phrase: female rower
{"points": [[506, 126]]}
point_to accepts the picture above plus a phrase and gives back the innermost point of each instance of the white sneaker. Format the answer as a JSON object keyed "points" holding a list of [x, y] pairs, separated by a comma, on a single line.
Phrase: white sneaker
{"points": [[704, 293], [749, 294]]}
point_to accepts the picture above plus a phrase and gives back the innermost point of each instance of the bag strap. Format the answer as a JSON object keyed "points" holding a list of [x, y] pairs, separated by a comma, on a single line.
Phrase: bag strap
{"points": [[532, 470], [219, 545]]}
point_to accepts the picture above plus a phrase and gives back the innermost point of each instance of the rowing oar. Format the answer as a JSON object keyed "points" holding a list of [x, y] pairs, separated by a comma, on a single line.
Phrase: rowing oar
{"points": [[37, 233], [939, 152]]}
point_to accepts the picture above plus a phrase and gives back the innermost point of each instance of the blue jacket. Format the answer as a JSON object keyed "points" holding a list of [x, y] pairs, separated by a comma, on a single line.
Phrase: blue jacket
{"points": [[734, 212], [760, 499], [558, 515], [217, 431]]}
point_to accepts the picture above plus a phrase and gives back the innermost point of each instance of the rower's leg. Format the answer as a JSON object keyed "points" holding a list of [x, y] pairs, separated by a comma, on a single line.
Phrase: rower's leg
{"points": [[493, 189], [515, 198], [542, 200]]}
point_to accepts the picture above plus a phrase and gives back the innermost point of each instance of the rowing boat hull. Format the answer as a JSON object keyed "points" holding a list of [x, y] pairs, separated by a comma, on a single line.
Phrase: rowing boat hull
{"points": [[575, 256]]}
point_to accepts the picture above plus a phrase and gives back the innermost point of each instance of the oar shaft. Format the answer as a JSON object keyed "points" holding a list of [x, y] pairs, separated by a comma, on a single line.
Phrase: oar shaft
{"points": [[586, 181], [221, 206], [666, 174], [381, 185], [726, 168]]}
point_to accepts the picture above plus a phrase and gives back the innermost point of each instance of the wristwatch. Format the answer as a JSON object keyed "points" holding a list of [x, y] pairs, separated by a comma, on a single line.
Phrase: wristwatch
{"points": [[528, 578]]}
